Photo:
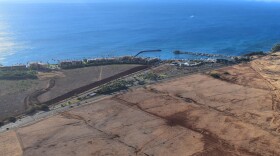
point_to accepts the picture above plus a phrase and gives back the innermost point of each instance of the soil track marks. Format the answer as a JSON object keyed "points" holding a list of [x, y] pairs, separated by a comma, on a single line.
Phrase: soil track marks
{"points": [[108, 128], [195, 115], [213, 145], [32, 99], [215, 109], [94, 85]]}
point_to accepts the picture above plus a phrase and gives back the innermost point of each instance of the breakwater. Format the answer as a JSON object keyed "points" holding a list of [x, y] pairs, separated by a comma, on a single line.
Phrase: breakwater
{"points": [[147, 51], [178, 52]]}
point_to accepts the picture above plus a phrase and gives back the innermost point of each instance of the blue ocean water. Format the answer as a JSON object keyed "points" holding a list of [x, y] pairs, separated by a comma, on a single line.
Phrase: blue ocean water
{"points": [[49, 32]]}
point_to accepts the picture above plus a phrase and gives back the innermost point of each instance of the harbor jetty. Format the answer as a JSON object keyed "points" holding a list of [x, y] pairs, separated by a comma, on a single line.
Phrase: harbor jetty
{"points": [[147, 51], [178, 52]]}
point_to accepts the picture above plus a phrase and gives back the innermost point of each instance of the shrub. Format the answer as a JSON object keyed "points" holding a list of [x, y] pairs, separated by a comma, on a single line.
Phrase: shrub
{"points": [[44, 107], [113, 87], [241, 59], [215, 75], [31, 110], [275, 48], [152, 76], [1, 123], [12, 119], [36, 108], [141, 82], [226, 73]]}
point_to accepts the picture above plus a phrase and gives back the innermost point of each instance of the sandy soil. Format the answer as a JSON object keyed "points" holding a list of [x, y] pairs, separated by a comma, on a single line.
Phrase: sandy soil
{"points": [[195, 115]]}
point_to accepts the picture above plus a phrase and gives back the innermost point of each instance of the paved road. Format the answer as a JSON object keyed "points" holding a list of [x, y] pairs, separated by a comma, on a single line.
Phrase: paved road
{"points": [[26, 120], [57, 108]]}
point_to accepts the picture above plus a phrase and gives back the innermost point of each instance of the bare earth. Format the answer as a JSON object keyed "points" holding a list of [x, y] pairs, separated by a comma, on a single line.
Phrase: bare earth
{"points": [[192, 115], [68, 80], [10, 145], [14, 92]]}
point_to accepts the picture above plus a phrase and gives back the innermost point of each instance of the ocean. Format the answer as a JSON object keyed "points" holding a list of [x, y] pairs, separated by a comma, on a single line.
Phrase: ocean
{"points": [[58, 31]]}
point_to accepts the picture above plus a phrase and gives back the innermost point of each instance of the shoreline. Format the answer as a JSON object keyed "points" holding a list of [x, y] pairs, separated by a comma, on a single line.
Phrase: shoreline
{"points": [[203, 57], [182, 66], [90, 92]]}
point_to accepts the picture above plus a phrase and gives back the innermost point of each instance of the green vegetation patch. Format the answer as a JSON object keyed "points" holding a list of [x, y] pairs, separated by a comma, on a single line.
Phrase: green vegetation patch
{"points": [[36, 108], [153, 76], [17, 74], [113, 87]]}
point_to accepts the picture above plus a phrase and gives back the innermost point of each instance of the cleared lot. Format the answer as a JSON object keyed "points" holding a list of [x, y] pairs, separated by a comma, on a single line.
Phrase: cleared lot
{"points": [[10, 145], [15, 94], [107, 128], [233, 114], [75, 78], [195, 115]]}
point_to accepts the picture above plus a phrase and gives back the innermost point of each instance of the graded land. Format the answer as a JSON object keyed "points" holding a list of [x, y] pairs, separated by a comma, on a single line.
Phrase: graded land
{"points": [[229, 111], [19, 95]]}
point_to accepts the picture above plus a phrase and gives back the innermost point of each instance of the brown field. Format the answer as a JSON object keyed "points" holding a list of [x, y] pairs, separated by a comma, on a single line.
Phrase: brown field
{"points": [[14, 92], [197, 115], [75, 78], [10, 145]]}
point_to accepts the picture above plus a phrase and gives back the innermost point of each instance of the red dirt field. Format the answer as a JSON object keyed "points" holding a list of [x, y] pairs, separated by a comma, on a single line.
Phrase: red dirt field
{"points": [[10, 145], [197, 115]]}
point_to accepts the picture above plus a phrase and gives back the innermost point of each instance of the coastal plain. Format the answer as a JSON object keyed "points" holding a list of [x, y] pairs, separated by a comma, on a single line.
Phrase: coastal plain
{"points": [[17, 95], [236, 113]]}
